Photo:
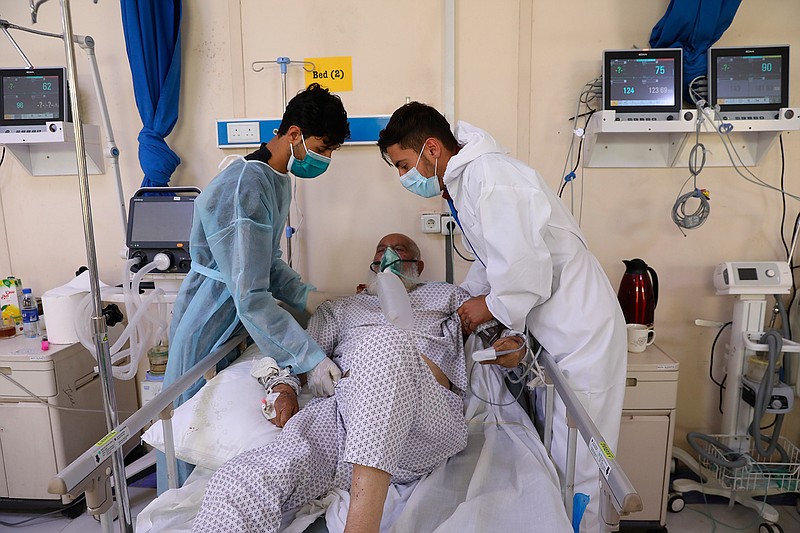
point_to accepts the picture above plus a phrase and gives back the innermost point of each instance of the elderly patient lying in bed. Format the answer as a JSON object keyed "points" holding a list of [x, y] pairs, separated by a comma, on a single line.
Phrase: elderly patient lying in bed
{"points": [[395, 415]]}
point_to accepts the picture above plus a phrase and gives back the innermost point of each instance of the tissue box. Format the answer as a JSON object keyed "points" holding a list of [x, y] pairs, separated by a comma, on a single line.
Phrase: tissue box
{"points": [[10, 298]]}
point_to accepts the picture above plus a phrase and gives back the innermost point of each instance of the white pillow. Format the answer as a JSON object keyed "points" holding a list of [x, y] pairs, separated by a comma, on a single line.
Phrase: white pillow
{"points": [[222, 420]]}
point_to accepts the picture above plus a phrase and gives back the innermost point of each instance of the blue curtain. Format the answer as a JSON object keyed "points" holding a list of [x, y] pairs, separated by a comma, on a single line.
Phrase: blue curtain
{"points": [[153, 40], [693, 25]]}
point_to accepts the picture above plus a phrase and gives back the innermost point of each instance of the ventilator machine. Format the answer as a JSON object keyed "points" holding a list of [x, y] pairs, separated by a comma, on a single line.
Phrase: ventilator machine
{"points": [[744, 461]]}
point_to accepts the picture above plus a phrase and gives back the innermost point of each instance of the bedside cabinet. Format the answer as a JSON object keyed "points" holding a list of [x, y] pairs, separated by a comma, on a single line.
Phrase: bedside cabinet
{"points": [[37, 440], [646, 432]]}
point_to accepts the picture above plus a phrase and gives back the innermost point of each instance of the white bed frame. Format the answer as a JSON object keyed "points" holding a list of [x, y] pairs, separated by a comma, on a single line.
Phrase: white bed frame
{"points": [[91, 473]]}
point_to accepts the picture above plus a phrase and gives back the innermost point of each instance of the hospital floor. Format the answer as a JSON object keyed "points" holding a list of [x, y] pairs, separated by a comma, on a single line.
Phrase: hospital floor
{"points": [[693, 519]]}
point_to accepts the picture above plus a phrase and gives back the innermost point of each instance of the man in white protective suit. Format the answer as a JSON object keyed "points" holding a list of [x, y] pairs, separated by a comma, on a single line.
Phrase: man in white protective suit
{"points": [[532, 266], [397, 412]]}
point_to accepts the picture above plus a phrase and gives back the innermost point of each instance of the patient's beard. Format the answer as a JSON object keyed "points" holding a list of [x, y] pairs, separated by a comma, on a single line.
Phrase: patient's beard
{"points": [[410, 279]]}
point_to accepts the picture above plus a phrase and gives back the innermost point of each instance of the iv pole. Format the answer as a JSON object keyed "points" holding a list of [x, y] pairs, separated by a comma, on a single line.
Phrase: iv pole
{"points": [[98, 320], [308, 66]]}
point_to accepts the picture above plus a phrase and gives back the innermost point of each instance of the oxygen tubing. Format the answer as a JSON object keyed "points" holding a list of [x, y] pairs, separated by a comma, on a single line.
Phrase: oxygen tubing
{"points": [[143, 328]]}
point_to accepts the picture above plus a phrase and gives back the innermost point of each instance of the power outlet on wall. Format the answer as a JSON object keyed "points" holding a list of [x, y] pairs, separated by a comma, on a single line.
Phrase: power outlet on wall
{"points": [[449, 225], [243, 132]]}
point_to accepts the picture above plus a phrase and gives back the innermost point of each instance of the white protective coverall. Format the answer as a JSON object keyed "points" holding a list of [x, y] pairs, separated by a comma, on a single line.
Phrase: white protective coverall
{"points": [[539, 270]]}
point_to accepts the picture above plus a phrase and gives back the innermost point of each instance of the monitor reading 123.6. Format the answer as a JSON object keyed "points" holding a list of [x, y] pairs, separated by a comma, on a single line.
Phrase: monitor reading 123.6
{"points": [[642, 82]]}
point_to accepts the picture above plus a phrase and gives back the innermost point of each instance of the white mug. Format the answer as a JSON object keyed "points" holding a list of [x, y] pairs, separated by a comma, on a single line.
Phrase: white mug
{"points": [[640, 337]]}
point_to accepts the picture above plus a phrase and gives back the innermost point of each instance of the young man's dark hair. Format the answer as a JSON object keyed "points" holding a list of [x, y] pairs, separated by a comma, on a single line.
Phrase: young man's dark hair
{"points": [[411, 124], [318, 113]]}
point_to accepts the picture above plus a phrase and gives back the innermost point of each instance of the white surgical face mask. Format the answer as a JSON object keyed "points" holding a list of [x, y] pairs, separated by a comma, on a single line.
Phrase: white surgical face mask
{"points": [[419, 184]]}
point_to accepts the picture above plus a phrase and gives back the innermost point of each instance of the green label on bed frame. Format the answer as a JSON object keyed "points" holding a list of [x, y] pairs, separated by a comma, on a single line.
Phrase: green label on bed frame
{"points": [[111, 443], [606, 450], [601, 456], [106, 438]]}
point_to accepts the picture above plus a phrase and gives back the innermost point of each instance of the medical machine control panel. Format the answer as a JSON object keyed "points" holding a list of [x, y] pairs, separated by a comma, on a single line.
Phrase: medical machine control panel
{"points": [[781, 400], [759, 277], [159, 225]]}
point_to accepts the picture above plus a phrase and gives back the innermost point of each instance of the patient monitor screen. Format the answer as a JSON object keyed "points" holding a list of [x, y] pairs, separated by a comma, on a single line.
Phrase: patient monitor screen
{"points": [[643, 82], [755, 78], [32, 96], [160, 221]]}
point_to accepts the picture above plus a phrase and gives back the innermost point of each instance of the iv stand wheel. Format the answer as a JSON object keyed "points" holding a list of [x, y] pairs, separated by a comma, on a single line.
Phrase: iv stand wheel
{"points": [[676, 503], [769, 528]]}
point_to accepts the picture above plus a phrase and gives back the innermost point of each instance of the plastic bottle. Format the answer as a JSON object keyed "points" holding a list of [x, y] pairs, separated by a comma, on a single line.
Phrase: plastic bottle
{"points": [[30, 314]]}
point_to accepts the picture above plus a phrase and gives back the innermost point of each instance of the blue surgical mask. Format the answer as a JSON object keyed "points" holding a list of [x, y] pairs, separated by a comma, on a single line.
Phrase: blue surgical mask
{"points": [[419, 184], [311, 166]]}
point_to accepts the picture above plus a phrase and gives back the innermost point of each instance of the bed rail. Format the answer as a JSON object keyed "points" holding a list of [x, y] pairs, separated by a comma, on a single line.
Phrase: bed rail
{"points": [[90, 473], [618, 496]]}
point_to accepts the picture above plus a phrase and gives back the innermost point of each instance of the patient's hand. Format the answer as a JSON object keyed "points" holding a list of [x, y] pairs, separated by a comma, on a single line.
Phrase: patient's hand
{"points": [[509, 360], [286, 405]]}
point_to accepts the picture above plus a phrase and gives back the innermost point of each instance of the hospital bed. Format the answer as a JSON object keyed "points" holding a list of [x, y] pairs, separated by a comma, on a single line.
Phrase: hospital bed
{"points": [[503, 480]]}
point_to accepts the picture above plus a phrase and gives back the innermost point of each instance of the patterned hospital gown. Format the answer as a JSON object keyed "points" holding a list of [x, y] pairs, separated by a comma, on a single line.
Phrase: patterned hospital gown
{"points": [[390, 413]]}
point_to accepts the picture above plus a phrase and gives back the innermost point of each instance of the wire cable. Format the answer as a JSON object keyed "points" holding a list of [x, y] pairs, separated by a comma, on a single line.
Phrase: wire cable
{"points": [[455, 249], [723, 131], [720, 384], [571, 175], [43, 401], [697, 161], [790, 259], [3, 212], [590, 92], [528, 370], [698, 90], [77, 502], [714, 521]]}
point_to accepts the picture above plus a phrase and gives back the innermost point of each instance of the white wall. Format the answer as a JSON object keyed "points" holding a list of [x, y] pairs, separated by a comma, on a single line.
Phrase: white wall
{"points": [[519, 67]]}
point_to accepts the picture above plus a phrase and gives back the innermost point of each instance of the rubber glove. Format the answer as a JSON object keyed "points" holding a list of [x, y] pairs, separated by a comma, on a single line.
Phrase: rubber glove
{"points": [[323, 378]]}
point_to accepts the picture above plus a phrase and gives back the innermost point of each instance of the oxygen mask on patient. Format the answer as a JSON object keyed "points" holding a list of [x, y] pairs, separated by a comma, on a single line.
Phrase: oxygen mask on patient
{"points": [[405, 269], [391, 285]]}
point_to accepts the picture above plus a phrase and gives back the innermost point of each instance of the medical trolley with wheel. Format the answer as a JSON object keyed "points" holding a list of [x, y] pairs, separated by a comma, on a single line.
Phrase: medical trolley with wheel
{"points": [[741, 463]]}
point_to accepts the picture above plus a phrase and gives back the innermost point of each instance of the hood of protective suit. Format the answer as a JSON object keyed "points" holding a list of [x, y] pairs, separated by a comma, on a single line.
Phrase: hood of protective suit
{"points": [[474, 143]]}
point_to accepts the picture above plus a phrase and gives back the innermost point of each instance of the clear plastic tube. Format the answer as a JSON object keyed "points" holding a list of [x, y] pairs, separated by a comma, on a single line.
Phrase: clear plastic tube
{"points": [[145, 327]]}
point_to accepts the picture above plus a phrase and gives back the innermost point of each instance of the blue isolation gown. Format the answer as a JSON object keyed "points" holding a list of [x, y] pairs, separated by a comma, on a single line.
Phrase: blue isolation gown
{"points": [[236, 279]]}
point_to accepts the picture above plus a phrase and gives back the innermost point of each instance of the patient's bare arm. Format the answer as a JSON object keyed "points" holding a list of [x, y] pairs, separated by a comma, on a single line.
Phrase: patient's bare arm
{"points": [[286, 405], [367, 497], [437, 373]]}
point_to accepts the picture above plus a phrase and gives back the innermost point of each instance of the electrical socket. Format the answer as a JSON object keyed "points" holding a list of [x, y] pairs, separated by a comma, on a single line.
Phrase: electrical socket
{"points": [[449, 225], [243, 132], [431, 222]]}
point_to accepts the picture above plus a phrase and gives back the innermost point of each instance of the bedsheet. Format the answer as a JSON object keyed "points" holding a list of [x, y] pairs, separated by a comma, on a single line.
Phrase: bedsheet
{"points": [[502, 481]]}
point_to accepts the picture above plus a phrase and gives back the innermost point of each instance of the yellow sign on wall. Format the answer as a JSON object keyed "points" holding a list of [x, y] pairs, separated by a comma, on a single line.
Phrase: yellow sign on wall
{"points": [[335, 73]]}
